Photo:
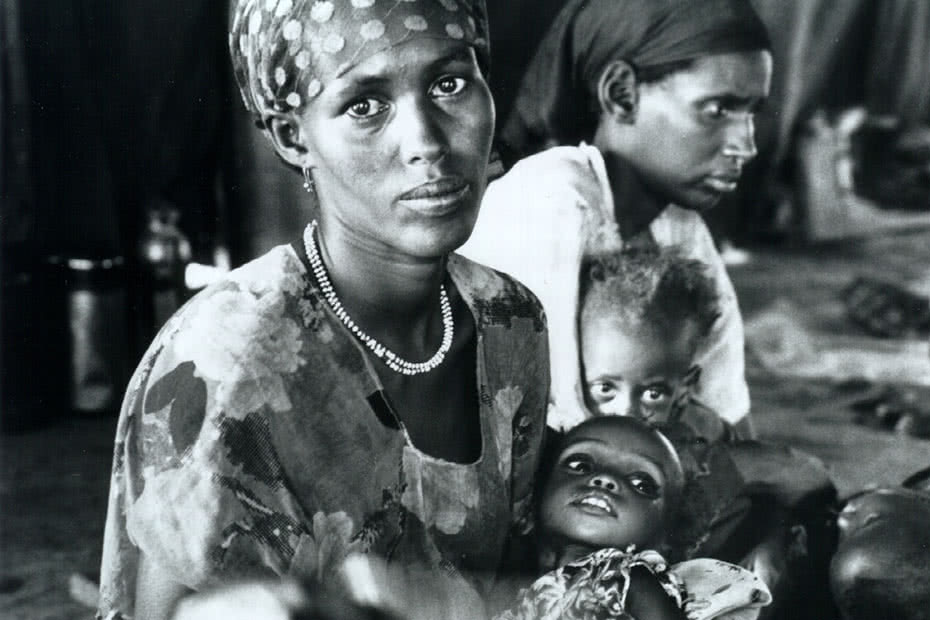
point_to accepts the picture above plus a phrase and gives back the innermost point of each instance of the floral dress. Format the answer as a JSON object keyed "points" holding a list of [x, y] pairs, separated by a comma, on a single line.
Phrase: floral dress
{"points": [[596, 587], [253, 441]]}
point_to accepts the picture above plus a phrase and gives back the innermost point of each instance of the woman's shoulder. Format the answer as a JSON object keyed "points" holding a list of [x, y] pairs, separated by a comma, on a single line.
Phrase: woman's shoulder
{"points": [[494, 296], [556, 171], [259, 308]]}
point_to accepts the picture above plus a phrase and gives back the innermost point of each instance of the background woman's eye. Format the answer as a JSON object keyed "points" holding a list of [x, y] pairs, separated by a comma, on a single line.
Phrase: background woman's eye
{"points": [[644, 484], [365, 108], [715, 109], [448, 86], [577, 464]]}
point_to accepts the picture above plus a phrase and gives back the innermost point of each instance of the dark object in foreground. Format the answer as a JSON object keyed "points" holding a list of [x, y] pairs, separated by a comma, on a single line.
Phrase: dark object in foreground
{"points": [[879, 570]]}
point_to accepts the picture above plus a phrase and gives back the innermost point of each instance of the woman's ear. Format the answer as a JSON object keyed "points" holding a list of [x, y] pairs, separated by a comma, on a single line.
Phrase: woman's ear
{"points": [[618, 92], [287, 138]]}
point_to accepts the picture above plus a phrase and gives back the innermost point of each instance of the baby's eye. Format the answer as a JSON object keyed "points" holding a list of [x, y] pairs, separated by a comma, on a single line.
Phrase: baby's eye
{"points": [[447, 86], [366, 108], [644, 484], [578, 464]]}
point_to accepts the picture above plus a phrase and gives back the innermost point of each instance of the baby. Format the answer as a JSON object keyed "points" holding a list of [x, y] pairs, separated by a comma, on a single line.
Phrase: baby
{"points": [[610, 498]]}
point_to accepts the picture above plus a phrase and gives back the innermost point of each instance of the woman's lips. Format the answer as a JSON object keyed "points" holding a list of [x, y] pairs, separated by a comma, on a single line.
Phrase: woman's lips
{"points": [[437, 197], [722, 184]]}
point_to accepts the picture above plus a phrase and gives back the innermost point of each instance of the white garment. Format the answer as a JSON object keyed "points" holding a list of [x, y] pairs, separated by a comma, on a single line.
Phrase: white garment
{"points": [[537, 222]]}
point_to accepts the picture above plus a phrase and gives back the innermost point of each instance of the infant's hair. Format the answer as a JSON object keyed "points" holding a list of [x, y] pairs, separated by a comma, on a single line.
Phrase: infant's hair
{"points": [[652, 285]]}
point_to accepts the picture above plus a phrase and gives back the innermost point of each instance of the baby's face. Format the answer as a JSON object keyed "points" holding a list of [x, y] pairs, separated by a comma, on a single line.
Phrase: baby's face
{"points": [[634, 371], [610, 487]]}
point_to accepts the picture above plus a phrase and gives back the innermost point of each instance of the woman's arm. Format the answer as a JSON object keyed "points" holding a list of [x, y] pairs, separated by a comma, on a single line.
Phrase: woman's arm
{"points": [[646, 600], [157, 592]]}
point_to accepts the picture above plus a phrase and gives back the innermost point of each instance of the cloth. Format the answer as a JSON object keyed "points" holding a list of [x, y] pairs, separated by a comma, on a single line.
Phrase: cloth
{"points": [[596, 587], [537, 222], [283, 51], [559, 89], [253, 441]]}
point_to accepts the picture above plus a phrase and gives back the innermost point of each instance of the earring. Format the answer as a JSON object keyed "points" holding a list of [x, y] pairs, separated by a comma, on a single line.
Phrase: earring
{"points": [[308, 182]]}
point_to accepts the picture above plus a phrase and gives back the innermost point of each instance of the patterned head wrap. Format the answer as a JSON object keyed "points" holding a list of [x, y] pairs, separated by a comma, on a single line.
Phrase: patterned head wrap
{"points": [[283, 51], [555, 99]]}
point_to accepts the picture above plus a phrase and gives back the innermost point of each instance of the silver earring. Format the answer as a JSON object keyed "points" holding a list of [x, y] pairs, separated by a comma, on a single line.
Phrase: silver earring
{"points": [[308, 182]]}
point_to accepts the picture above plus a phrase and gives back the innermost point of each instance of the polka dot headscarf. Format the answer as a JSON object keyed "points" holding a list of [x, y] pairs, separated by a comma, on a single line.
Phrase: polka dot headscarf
{"points": [[283, 51]]}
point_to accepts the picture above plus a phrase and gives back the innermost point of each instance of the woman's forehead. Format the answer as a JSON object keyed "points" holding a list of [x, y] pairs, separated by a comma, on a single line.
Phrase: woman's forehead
{"points": [[742, 76]]}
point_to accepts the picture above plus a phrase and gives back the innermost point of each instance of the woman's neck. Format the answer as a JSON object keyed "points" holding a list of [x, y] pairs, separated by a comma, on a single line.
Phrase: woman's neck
{"points": [[380, 289], [635, 205]]}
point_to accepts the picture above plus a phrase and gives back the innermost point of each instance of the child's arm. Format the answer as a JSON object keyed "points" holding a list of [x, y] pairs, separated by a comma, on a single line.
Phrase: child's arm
{"points": [[647, 600]]}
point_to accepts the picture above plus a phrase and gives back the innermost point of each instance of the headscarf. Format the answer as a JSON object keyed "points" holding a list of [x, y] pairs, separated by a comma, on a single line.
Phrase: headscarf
{"points": [[555, 104], [284, 51]]}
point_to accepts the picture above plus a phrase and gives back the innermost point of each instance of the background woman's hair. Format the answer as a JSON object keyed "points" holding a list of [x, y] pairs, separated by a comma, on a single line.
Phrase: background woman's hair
{"points": [[650, 285]]}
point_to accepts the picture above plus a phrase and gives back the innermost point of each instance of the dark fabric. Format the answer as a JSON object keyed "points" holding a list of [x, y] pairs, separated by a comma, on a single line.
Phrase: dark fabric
{"points": [[554, 105]]}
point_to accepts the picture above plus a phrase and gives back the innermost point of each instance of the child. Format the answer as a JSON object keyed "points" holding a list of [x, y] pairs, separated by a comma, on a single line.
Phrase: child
{"points": [[644, 313], [609, 501]]}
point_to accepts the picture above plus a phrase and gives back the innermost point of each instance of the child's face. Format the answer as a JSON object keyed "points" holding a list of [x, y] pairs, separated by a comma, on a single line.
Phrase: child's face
{"points": [[610, 487], [634, 371]]}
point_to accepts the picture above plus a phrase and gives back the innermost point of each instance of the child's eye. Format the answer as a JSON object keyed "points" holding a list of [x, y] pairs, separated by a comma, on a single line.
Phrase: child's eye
{"points": [[655, 395], [366, 108], [603, 390], [578, 464], [644, 484], [447, 86]]}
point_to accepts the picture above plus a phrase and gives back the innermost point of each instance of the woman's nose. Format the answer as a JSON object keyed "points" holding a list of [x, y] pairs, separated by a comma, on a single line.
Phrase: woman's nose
{"points": [[422, 138], [604, 481], [741, 139]]}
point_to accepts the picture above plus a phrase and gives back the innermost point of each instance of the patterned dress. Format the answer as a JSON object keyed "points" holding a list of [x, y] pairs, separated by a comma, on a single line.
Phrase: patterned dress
{"points": [[252, 441], [596, 587]]}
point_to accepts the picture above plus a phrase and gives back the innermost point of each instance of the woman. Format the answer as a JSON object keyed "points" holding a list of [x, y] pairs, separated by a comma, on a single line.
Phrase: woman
{"points": [[664, 91], [363, 390]]}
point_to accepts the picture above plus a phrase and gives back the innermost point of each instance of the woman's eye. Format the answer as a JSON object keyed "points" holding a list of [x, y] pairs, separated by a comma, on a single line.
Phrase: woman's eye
{"points": [[365, 108], [644, 484], [448, 86], [715, 109], [577, 464]]}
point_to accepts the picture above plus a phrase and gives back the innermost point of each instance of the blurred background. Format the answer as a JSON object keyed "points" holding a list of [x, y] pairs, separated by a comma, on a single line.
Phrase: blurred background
{"points": [[129, 170]]}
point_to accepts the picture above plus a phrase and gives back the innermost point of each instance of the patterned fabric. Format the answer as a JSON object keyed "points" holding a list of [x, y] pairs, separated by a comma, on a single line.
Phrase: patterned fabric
{"points": [[283, 51], [253, 441], [597, 587], [562, 204]]}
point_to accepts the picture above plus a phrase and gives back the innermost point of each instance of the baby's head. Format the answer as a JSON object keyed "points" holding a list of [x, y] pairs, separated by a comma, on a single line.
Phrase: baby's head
{"points": [[644, 312], [613, 482]]}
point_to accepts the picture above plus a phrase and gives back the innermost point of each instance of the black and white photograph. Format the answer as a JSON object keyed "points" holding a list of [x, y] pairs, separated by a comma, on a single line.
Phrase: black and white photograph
{"points": [[465, 310]]}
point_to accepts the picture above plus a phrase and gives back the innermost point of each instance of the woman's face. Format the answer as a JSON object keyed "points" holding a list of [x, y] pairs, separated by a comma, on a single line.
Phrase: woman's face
{"points": [[609, 488], [634, 371], [398, 146], [694, 130]]}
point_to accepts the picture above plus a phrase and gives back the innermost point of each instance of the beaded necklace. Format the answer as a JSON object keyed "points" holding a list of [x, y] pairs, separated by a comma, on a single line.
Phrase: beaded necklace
{"points": [[391, 359]]}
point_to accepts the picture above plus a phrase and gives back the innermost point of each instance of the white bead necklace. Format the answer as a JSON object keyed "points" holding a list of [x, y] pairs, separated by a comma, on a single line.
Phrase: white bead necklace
{"points": [[391, 359]]}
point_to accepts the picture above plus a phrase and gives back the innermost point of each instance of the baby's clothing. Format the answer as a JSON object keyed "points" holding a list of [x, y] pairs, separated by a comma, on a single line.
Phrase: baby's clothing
{"points": [[596, 587]]}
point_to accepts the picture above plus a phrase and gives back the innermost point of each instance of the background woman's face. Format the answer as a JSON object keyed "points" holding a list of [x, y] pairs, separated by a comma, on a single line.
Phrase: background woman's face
{"points": [[694, 130], [399, 146]]}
